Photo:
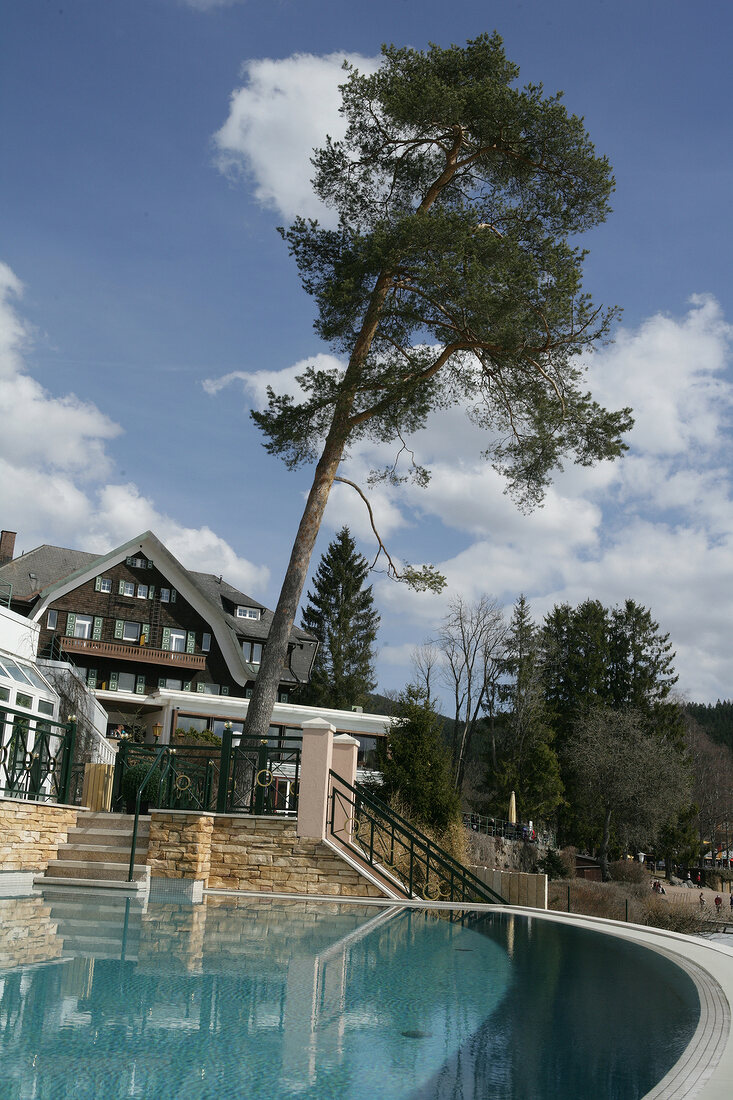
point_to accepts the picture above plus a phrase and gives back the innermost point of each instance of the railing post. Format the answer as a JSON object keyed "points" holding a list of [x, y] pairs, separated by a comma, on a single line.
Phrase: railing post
{"points": [[260, 775], [225, 763], [315, 765], [69, 746], [345, 752]]}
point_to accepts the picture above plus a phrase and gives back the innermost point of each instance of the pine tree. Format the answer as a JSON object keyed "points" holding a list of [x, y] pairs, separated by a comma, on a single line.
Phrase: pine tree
{"points": [[340, 612], [526, 761], [416, 766]]}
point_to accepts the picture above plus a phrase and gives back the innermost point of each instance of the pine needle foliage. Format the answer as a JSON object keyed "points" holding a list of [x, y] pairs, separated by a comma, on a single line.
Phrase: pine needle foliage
{"points": [[450, 278], [340, 612]]}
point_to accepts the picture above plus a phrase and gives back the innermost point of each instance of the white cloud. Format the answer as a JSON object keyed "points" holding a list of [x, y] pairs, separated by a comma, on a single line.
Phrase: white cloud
{"points": [[58, 477], [277, 118]]}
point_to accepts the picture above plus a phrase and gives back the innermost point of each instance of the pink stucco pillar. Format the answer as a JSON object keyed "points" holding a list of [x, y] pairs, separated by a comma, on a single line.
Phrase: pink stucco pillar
{"points": [[315, 763], [345, 751]]}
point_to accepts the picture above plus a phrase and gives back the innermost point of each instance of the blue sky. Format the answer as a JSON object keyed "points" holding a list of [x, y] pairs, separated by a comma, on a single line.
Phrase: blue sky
{"points": [[145, 299]]}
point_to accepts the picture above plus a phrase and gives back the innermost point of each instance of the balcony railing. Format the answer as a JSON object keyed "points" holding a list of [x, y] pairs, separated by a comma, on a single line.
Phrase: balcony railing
{"points": [[126, 652]]}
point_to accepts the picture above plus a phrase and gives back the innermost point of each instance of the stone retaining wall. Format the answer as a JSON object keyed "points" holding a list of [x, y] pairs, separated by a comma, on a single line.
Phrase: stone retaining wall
{"points": [[180, 844], [31, 832], [258, 853], [249, 853]]}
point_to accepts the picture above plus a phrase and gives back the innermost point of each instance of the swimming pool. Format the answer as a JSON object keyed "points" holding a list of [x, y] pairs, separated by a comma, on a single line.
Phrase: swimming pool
{"points": [[101, 999]]}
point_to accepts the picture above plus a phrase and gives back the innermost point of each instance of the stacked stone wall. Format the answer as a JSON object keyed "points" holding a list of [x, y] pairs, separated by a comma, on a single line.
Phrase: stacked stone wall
{"points": [[264, 854], [31, 832], [180, 844]]}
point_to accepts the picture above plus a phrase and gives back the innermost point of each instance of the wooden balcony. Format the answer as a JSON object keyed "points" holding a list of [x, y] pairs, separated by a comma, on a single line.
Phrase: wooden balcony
{"points": [[124, 651]]}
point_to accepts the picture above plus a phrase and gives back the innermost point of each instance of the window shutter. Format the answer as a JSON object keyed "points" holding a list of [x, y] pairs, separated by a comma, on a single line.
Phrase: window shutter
{"points": [[139, 685], [224, 690], [200, 688], [128, 561], [113, 681], [186, 685], [97, 584], [161, 682], [121, 588], [150, 563], [92, 677], [97, 629], [70, 624], [151, 592], [119, 627], [145, 634], [165, 642], [190, 642], [173, 595]]}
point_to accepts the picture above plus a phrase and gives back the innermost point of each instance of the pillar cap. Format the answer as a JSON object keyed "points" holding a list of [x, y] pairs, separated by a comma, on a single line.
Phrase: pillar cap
{"points": [[316, 725], [345, 739]]}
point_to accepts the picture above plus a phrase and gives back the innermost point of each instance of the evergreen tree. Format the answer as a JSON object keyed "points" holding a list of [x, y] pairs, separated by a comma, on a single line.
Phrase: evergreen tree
{"points": [[416, 764], [524, 760], [449, 277], [340, 612]]}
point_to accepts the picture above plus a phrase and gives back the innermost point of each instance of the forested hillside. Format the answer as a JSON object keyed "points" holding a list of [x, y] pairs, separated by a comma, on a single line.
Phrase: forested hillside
{"points": [[716, 719]]}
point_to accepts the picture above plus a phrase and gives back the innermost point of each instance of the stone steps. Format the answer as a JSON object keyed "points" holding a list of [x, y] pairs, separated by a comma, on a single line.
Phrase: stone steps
{"points": [[97, 850], [96, 871], [100, 853]]}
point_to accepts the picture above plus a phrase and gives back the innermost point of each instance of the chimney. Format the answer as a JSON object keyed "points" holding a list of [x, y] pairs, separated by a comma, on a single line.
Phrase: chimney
{"points": [[7, 546]]}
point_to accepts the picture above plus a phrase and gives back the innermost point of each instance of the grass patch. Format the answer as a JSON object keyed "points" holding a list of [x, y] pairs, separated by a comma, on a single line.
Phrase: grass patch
{"points": [[610, 899]]}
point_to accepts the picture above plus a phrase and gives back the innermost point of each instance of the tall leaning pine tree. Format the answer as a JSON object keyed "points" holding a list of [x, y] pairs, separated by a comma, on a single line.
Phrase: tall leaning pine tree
{"points": [[449, 277], [340, 612]]}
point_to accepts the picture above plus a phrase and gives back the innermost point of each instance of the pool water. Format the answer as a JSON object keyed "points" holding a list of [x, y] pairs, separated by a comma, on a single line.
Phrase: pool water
{"points": [[102, 999]]}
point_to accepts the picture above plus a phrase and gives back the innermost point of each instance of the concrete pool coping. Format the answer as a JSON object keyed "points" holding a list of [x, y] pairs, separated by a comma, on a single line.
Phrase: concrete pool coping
{"points": [[705, 1069]]}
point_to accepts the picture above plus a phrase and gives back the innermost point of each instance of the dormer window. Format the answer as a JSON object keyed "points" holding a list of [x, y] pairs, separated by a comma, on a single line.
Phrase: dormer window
{"points": [[248, 612]]}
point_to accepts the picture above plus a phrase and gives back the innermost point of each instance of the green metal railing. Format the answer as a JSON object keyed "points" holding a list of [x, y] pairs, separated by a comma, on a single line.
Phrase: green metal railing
{"points": [[248, 776], [36, 756], [163, 751], [414, 864]]}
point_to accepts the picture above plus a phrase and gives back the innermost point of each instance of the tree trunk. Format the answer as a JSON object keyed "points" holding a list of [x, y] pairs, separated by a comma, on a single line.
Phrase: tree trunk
{"points": [[275, 652], [603, 850]]}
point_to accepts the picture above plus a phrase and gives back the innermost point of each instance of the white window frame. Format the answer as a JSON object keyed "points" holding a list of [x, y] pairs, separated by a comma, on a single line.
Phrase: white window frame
{"points": [[52, 621], [179, 636], [165, 595], [128, 588], [249, 649], [248, 613], [85, 621], [105, 584], [205, 643], [142, 591]]}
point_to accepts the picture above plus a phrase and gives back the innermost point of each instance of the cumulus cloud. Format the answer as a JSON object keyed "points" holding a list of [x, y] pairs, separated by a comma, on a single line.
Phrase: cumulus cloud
{"points": [[59, 479], [656, 526], [282, 112]]}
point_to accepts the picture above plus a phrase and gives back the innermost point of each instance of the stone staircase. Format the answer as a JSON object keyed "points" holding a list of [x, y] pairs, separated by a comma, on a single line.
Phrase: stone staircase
{"points": [[97, 850]]}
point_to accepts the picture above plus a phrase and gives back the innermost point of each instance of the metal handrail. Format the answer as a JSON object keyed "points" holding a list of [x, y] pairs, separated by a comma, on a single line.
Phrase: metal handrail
{"points": [[418, 846], [164, 750]]}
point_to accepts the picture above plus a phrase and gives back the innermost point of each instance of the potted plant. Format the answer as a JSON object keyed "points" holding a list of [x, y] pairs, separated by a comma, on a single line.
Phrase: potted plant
{"points": [[131, 781]]}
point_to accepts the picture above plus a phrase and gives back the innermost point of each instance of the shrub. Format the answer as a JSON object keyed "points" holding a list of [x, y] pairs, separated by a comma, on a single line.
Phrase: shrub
{"points": [[132, 779], [627, 870], [553, 865]]}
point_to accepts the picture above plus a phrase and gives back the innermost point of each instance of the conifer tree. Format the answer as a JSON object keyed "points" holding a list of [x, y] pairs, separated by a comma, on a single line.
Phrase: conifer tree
{"points": [[416, 765], [451, 278], [340, 612]]}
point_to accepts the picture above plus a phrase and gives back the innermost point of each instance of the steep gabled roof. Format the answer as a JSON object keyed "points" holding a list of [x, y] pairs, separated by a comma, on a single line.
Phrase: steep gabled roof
{"points": [[37, 569], [58, 571]]}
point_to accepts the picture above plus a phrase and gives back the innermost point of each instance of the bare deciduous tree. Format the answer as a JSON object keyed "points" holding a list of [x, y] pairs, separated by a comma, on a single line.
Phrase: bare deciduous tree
{"points": [[471, 645]]}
